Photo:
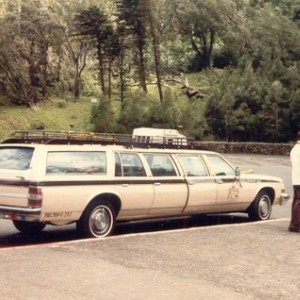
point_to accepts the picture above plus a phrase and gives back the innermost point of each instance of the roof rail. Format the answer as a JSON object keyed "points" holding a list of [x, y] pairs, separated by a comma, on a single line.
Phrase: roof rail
{"points": [[73, 137]]}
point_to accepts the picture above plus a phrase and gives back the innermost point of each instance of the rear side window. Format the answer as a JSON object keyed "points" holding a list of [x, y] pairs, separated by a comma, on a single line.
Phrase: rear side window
{"points": [[160, 164], [74, 163], [128, 164], [15, 158]]}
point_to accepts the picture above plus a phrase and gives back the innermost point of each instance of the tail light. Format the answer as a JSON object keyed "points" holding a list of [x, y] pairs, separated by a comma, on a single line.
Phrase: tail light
{"points": [[35, 196]]}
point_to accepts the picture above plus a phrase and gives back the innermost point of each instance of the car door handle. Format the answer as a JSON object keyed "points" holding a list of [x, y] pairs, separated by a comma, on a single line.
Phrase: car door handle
{"points": [[125, 184], [157, 183], [219, 180]]}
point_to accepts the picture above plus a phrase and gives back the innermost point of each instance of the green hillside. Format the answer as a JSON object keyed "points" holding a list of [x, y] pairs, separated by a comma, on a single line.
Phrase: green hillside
{"points": [[52, 115]]}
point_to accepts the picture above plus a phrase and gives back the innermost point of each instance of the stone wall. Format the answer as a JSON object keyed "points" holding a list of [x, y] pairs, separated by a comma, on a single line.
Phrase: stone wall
{"points": [[251, 148]]}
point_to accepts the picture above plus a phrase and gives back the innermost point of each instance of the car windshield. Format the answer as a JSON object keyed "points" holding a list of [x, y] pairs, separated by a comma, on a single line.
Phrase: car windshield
{"points": [[15, 158]]}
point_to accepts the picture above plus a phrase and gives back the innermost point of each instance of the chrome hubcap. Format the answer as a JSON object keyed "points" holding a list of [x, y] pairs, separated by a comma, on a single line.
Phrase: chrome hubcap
{"points": [[100, 221], [264, 207]]}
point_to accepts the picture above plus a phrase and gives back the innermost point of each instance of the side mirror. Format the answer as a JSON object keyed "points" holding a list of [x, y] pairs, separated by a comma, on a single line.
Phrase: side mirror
{"points": [[237, 172]]}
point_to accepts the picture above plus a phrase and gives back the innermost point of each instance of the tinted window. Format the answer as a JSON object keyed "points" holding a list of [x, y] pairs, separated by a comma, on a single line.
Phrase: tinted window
{"points": [[76, 163], [128, 164], [193, 165], [220, 166], [15, 158], [161, 164]]}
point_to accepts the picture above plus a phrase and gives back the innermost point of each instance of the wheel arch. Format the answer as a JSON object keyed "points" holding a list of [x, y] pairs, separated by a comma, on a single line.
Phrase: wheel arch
{"points": [[98, 219], [261, 207], [111, 198], [270, 191]]}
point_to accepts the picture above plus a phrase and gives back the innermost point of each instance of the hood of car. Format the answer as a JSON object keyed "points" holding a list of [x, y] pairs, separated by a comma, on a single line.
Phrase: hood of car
{"points": [[260, 177]]}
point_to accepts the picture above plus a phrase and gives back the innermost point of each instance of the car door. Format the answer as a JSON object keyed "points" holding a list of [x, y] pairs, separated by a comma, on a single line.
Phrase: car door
{"points": [[170, 189], [228, 184], [134, 187], [202, 188]]}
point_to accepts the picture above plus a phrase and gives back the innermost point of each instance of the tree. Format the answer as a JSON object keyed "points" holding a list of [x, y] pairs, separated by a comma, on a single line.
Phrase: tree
{"points": [[151, 12], [32, 35], [78, 56], [192, 122], [122, 46], [202, 23], [72, 56], [131, 12], [93, 24]]}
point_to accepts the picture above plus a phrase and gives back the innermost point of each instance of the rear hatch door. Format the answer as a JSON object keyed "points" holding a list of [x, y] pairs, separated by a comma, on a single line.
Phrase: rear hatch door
{"points": [[15, 167]]}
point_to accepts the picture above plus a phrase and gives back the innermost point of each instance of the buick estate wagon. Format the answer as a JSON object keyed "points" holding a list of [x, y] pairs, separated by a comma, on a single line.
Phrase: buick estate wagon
{"points": [[97, 186]]}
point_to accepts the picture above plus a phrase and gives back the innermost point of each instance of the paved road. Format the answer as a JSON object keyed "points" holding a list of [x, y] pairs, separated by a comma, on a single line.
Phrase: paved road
{"points": [[249, 261]]}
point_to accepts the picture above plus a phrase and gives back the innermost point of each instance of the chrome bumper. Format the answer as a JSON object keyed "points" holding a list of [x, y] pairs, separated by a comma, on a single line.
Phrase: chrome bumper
{"points": [[284, 198], [19, 213]]}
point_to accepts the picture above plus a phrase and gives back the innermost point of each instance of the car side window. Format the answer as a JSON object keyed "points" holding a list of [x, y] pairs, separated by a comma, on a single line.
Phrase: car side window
{"points": [[76, 163], [193, 165], [128, 164], [15, 158], [160, 164], [220, 166]]}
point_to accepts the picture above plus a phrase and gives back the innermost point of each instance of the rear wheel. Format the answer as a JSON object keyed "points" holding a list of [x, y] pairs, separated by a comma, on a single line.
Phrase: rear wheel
{"points": [[98, 220], [29, 227], [261, 207]]}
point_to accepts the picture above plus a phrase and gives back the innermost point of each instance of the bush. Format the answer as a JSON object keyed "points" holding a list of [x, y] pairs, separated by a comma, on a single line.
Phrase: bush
{"points": [[103, 117], [61, 104], [133, 112]]}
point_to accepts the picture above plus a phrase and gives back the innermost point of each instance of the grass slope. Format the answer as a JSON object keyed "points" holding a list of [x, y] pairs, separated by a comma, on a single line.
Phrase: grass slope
{"points": [[52, 115]]}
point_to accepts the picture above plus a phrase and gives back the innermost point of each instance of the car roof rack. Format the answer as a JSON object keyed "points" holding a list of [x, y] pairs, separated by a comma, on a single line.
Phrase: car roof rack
{"points": [[80, 138]]}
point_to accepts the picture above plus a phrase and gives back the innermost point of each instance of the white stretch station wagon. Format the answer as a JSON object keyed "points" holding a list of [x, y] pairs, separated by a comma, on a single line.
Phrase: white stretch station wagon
{"points": [[51, 180]]}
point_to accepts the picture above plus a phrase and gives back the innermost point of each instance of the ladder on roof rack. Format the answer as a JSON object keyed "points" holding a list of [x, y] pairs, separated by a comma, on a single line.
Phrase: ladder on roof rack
{"points": [[72, 137]]}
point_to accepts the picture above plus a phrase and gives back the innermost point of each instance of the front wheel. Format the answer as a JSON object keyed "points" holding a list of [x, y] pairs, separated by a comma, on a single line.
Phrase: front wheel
{"points": [[261, 207], [29, 227], [98, 220]]}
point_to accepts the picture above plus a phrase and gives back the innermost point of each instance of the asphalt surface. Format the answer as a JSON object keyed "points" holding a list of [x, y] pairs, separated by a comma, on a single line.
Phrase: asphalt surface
{"points": [[229, 261]]}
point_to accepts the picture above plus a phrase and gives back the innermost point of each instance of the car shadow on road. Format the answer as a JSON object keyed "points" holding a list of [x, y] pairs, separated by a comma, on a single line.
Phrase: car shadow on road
{"points": [[153, 225], [53, 234]]}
